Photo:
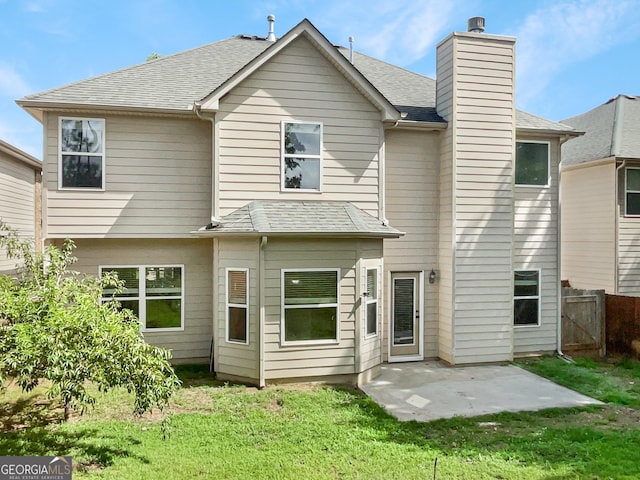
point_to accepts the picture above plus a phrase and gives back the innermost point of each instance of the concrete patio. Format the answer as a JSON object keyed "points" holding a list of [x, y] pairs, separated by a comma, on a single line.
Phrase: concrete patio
{"points": [[426, 391]]}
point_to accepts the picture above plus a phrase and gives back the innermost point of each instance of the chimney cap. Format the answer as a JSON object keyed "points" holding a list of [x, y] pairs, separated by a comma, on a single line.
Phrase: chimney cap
{"points": [[475, 25]]}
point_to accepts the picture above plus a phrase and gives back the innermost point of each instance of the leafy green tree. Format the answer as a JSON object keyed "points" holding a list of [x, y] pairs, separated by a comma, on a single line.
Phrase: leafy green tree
{"points": [[55, 326]]}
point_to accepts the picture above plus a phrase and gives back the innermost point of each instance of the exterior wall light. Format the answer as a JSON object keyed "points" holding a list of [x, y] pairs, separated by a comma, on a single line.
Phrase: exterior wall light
{"points": [[432, 276]]}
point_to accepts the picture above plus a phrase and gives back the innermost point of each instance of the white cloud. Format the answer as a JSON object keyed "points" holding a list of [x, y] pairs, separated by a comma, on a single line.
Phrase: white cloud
{"points": [[398, 32], [11, 84], [552, 39]]}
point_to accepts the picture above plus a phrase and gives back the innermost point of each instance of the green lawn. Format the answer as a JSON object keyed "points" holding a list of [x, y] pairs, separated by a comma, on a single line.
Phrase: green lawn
{"points": [[310, 432]]}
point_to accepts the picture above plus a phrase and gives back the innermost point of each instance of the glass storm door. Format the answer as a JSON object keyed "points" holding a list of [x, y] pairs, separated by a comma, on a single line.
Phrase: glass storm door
{"points": [[406, 334]]}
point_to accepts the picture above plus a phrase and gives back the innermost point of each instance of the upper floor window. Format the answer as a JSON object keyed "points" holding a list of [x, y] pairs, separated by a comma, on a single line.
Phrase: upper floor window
{"points": [[632, 191], [155, 294], [301, 155], [532, 164], [526, 297], [81, 153]]}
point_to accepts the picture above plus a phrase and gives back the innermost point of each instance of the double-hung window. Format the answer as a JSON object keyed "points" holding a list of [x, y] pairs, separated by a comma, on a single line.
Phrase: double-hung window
{"points": [[532, 164], [237, 305], [81, 153], [371, 302], [310, 305], [154, 293], [526, 300], [632, 191], [301, 156]]}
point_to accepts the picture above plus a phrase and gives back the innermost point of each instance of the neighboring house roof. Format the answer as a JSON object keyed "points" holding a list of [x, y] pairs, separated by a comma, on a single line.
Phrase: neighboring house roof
{"points": [[611, 130], [173, 83], [19, 155], [299, 218]]}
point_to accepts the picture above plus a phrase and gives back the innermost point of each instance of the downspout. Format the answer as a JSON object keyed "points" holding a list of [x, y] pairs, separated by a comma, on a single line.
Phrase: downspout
{"points": [[615, 143], [197, 107], [559, 352], [381, 177], [262, 313]]}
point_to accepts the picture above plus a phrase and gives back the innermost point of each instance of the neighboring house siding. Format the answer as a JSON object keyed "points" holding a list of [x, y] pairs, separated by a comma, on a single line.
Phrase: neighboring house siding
{"points": [[17, 201], [295, 361], [628, 242], [194, 343], [588, 226], [158, 180], [233, 358], [536, 247], [482, 120], [444, 98], [298, 84], [412, 199]]}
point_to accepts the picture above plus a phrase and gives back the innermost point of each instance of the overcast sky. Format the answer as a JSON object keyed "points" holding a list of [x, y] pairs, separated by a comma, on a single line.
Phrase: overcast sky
{"points": [[572, 55]]}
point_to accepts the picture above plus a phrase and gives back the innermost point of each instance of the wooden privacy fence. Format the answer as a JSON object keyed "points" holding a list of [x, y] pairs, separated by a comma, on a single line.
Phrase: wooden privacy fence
{"points": [[583, 322], [623, 325]]}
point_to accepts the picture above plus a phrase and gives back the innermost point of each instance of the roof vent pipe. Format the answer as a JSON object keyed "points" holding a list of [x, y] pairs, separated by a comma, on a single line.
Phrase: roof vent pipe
{"points": [[272, 36], [351, 50], [475, 25]]}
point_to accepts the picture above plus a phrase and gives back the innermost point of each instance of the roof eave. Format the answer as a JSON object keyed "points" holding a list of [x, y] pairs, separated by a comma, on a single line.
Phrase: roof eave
{"points": [[214, 233], [551, 132], [416, 125], [305, 27], [19, 155]]}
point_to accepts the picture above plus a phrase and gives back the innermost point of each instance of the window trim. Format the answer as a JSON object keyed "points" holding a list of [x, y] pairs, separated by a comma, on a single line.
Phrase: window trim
{"points": [[87, 154], [529, 297], [236, 305], [626, 192], [283, 307], [284, 155], [368, 301], [548, 183], [142, 297]]}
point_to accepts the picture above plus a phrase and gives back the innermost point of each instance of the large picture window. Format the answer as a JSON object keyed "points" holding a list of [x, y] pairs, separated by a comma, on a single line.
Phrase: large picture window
{"points": [[371, 302], [301, 155], [237, 305], [81, 153], [632, 191], [310, 305], [526, 303], [532, 163], [154, 293]]}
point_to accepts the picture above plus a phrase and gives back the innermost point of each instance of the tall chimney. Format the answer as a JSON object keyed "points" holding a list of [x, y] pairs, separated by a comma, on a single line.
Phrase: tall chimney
{"points": [[272, 36]]}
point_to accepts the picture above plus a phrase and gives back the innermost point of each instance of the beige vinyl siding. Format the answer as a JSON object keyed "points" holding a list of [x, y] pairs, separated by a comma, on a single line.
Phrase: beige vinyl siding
{"points": [[412, 199], [535, 248], [294, 361], [17, 201], [194, 342], [445, 97], [158, 180], [628, 243], [298, 84], [233, 358], [483, 150], [588, 226]]}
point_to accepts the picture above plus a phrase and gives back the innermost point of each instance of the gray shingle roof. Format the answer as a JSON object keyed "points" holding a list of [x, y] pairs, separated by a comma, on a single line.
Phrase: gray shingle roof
{"points": [[302, 218], [611, 130], [176, 81]]}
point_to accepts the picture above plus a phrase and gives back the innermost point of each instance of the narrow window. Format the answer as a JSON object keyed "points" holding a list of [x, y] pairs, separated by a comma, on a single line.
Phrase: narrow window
{"points": [[154, 293], [301, 156], [532, 163], [310, 305], [632, 191], [526, 304], [237, 306], [372, 302], [81, 153]]}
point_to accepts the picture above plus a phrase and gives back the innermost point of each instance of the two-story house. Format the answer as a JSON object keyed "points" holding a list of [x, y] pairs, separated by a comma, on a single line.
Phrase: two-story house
{"points": [[294, 210], [20, 194]]}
